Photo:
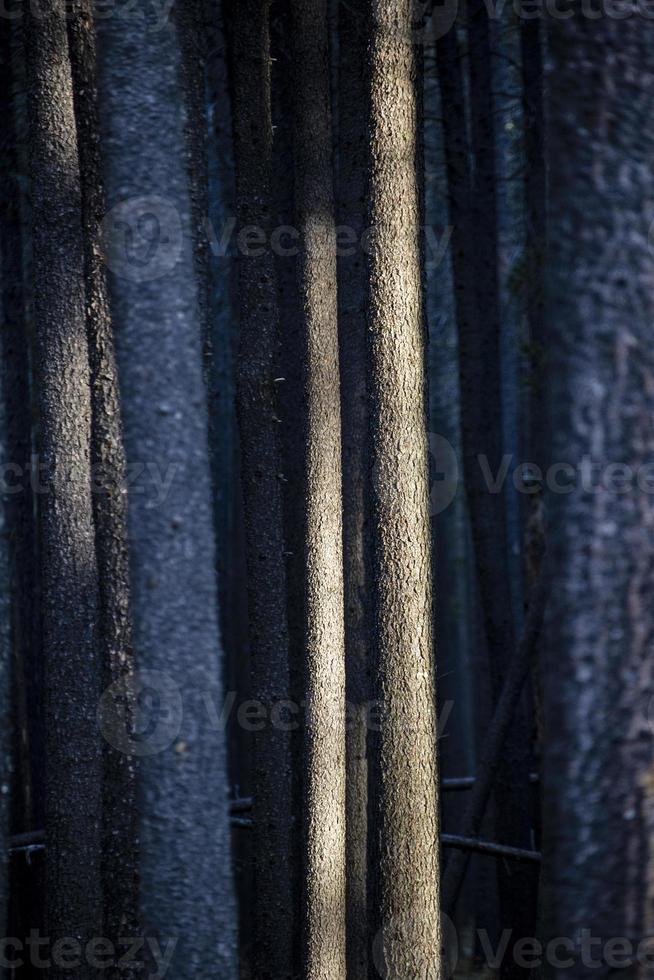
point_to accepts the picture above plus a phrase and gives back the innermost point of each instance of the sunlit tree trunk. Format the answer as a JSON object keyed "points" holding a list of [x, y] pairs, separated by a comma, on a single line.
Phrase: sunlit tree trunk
{"points": [[109, 500], [185, 874], [69, 569], [404, 785], [353, 175], [324, 842]]}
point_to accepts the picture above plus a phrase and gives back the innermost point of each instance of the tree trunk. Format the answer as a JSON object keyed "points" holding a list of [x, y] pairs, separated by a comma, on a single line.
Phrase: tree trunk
{"points": [[598, 807], [324, 844], [353, 175], [404, 805], [481, 381], [119, 853], [70, 577], [262, 489], [26, 680], [6, 601], [186, 888]]}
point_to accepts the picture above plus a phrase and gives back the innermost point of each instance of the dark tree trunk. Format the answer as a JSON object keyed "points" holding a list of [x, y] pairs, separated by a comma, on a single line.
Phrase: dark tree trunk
{"points": [[598, 807], [324, 841], [404, 803], [26, 681], [119, 852], [190, 18], [185, 874], [70, 577], [531, 43], [481, 418], [352, 208], [291, 402], [261, 469]]}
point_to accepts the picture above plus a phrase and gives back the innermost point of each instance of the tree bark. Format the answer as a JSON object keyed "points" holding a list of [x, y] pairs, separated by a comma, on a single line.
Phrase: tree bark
{"points": [[352, 207], [261, 468], [119, 849], [70, 577], [598, 806], [404, 805], [324, 842], [185, 875]]}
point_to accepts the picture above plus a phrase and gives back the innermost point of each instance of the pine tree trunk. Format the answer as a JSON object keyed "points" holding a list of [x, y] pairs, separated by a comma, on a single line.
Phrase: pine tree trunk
{"points": [[109, 501], [26, 679], [598, 807], [185, 874], [261, 470], [353, 174], [404, 804], [324, 843], [70, 577]]}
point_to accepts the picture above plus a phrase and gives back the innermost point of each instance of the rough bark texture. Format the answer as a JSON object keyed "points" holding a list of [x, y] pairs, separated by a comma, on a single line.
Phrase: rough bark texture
{"points": [[186, 888], [404, 806], [261, 469], [352, 208], [598, 807], [324, 844], [119, 850], [70, 578]]}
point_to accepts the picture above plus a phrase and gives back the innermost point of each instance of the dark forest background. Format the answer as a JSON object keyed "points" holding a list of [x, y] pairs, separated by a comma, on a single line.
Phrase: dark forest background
{"points": [[323, 321]]}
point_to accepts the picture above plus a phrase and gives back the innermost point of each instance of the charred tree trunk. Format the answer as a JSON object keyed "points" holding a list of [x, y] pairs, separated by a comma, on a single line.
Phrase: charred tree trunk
{"points": [[324, 841], [598, 807], [185, 875], [352, 208], [404, 779], [26, 679], [70, 577], [481, 418], [261, 469], [119, 852]]}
